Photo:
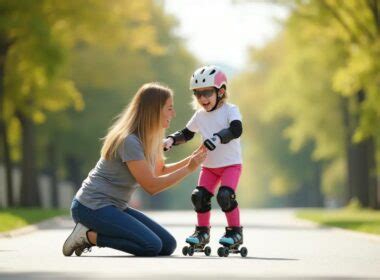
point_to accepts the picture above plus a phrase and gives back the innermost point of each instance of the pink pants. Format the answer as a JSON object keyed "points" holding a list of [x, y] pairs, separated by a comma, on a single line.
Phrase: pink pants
{"points": [[227, 176]]}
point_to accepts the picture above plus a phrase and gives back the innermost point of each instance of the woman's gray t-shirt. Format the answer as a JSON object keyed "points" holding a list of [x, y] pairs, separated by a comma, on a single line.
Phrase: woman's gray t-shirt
{"points": [[111, 182]]}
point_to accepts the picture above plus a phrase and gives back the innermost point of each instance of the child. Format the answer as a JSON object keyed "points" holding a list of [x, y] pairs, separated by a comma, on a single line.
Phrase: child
{"points": [[220, 126]]}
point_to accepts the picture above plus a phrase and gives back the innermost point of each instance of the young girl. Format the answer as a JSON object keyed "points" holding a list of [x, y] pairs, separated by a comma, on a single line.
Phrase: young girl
{"points": [[220, 125]]}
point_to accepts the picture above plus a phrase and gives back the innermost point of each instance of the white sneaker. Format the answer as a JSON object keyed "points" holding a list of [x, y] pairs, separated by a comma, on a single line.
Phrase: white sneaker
{"points": [[77, 239]]}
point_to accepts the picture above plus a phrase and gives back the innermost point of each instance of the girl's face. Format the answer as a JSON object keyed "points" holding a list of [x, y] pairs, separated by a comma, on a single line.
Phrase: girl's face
{"points": [[206, 97], [168, 113]]}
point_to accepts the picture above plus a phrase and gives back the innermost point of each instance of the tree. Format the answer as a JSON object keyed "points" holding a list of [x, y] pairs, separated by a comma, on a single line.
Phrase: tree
{"points": [[319, 74], [355, 26], [41, 35], [107, 77]]}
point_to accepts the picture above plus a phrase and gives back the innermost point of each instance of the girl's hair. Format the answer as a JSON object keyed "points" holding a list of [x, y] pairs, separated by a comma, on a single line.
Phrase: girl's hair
{"points": [[195, 105], [141, 116]]}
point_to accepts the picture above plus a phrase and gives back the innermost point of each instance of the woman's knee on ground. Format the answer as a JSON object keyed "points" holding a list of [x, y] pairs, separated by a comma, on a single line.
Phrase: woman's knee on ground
{"points": [[151, 248], [168, 246]]}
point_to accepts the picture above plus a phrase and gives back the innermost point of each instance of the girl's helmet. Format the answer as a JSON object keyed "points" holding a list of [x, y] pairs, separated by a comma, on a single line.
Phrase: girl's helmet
{"points": [[208, 76]]}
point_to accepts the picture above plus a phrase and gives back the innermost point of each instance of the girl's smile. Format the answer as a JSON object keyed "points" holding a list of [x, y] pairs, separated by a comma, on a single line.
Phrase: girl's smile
{"points": [[206, 97]]}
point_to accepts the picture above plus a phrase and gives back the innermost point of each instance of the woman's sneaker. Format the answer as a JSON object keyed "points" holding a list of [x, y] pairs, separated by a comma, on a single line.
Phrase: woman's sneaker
{"points": [[84, 249], [77, 239]]}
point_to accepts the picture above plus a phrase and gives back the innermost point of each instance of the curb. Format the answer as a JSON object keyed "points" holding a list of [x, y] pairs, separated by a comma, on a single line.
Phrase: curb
{"points": [[31, 228]]}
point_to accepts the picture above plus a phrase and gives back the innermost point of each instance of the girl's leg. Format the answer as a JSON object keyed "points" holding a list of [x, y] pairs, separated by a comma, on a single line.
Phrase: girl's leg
{"points": [[169, 243], [230, 178], [208, 180], [119, 230]]}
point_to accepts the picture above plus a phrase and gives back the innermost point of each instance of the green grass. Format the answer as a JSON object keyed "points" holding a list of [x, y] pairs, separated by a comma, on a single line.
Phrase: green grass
{"points": [[359, 220], [13, 218]]}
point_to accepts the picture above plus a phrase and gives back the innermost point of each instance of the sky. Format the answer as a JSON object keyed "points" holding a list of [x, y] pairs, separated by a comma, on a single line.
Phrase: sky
{"points": [[221, 31]]}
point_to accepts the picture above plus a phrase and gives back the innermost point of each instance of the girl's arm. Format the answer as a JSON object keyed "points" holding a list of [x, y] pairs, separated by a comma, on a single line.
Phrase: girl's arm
{"points": [[181, 136], [225, 135], [154, 184]]}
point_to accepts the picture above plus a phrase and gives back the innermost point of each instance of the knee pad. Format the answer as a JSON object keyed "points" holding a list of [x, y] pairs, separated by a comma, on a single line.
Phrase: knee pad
{"points": [[226, 199], [201, 199]]}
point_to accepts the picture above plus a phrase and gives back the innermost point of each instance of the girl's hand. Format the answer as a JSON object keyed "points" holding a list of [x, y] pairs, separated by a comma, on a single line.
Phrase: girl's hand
{"points": [[168, 143], [212, 142], [196, 158]]}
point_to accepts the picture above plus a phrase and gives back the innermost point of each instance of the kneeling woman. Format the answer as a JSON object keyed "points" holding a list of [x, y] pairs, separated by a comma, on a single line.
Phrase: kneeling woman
{"points": [[131, 157]]}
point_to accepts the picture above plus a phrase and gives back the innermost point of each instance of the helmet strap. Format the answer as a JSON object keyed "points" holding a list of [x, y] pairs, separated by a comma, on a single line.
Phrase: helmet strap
{"points": [[217, 100]]}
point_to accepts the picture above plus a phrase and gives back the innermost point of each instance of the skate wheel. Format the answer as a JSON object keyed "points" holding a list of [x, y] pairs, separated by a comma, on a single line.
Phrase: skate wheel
{"points": [[226, 252], [185, 250], [207, 251], [243, 252], [191, 251], [221, 251], [78, 252]]}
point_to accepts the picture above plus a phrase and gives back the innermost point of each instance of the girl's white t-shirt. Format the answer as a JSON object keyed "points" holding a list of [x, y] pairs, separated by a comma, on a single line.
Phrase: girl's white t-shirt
{"points": [[208, 123]]}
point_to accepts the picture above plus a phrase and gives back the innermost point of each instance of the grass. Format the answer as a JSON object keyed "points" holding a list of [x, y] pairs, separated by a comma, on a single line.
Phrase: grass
{"points": [[363, 220], [12, 218]]}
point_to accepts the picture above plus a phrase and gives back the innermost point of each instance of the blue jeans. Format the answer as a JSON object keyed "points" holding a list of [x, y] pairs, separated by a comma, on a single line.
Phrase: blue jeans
{"points": [[126, 230]]}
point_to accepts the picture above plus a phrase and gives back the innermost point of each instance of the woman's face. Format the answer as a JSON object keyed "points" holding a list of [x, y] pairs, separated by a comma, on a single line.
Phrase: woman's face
{"points": [[168, 112], [206, 97]]}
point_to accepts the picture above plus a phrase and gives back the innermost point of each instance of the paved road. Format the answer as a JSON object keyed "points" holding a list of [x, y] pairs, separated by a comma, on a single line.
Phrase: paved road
{"points": [[280, 247]]}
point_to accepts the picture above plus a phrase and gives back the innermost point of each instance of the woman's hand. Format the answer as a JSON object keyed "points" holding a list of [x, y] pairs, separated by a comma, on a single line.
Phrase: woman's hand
{"points": [[197, 157], [153, 183]]}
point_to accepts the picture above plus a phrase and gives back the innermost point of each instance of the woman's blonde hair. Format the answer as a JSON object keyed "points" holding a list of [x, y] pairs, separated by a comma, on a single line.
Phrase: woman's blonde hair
{"points": [[195, 105], [141, 116]]}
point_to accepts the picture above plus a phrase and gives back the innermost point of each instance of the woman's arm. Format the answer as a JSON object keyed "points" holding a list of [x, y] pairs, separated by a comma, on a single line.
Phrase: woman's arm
{"points": [[154, 184], [162, 168]]}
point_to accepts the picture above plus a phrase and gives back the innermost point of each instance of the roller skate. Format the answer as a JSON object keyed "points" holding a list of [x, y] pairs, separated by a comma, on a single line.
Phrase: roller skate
{"points": [[231, 241], [198, 241]]}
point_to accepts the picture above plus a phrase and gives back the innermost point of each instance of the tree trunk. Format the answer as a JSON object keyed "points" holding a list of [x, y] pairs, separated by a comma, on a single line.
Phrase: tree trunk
{"points": [[315, 193], [361, 161], [73, 166], [4, 47], [52, 170], [373, 185], [29, 187], [364, 178], [7, 163], [348, 132], [361, 172]]}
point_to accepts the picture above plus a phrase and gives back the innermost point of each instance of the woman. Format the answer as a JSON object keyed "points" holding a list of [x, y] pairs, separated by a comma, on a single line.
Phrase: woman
{"points": [[131, 156]]}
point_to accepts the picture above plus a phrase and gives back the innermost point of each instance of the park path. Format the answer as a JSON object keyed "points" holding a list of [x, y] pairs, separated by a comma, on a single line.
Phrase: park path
{"points": [[279, 247]]}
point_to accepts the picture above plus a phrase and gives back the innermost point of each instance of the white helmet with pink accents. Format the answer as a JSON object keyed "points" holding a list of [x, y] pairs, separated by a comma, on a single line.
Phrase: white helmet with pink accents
{"points": [[208, 76]]}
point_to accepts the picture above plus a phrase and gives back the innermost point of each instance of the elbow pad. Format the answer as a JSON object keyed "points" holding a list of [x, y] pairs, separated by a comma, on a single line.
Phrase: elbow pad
{"points": [[233, 132], [182, 136], [236, 128]]}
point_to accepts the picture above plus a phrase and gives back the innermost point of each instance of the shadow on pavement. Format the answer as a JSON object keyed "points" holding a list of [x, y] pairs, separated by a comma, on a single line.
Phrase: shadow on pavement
{"points": [[67, 223], [193, 257], [256, 226], [56, 275]]}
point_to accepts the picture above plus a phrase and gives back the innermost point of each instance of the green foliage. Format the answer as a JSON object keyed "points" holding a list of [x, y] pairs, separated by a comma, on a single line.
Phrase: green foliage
{"points": [[354, 204], [357, 220], [333, 183], [271, 169], [107, 78], [73, 65], [355, 26], [304, 84], [19, 217]]}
